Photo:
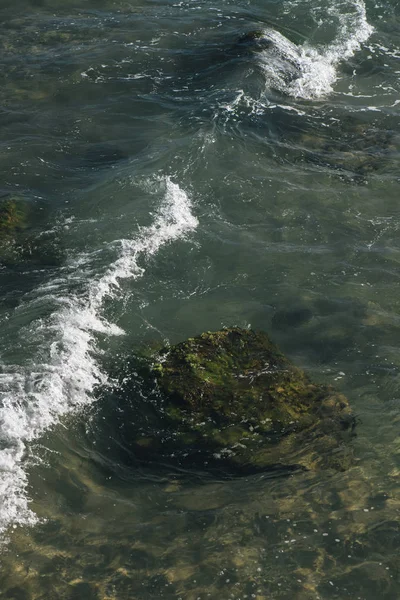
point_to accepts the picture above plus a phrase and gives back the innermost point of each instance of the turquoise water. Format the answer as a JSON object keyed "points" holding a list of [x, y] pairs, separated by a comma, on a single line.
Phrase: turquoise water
{"points": [[175, 178]]}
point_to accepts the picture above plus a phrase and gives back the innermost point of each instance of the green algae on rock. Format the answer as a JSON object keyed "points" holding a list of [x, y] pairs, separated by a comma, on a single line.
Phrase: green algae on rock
{"points": [[12, 223], [231, 396], [12, 217]]}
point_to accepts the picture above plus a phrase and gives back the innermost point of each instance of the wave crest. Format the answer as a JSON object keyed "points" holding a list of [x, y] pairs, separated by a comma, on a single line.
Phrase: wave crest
{"points": [[309, 72], [64, 373]]}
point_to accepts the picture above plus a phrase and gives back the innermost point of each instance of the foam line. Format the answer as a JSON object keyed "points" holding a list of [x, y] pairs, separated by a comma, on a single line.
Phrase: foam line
{"points": [[65, 373]]}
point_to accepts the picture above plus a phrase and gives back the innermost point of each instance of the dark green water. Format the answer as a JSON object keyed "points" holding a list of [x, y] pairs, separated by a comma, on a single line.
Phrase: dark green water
{"points": [[173, 181]]}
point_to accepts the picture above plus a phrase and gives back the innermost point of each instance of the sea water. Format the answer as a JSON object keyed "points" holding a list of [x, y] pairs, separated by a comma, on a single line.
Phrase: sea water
{"points": [[176, 180]]}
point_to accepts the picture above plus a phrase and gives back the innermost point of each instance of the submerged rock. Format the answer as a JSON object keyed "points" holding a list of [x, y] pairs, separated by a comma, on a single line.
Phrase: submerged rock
{"points": [[232, 399], [255, 40], [358, 150], [19, 242], [103, 155], [279, 58], [12, 216]]}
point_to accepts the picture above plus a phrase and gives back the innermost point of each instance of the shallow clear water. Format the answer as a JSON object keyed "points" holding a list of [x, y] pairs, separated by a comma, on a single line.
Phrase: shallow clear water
{"points": [[177, 180]]}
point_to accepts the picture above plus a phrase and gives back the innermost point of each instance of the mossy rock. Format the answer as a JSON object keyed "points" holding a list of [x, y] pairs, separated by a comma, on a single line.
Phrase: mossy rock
{"points": [[12, 216], [13, 221], [231, 397]]}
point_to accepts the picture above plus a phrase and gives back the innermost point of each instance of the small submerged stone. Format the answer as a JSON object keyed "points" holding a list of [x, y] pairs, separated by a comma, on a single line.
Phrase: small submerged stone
{"points": [[232, 399]]}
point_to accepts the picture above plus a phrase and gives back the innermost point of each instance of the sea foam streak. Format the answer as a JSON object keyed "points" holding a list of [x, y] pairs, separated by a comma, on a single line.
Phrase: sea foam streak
{"points": [[36, 396], [316, 67]]}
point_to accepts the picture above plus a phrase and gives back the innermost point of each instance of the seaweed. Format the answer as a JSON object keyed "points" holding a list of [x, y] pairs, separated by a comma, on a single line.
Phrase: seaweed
{"points": [[233, 396]]}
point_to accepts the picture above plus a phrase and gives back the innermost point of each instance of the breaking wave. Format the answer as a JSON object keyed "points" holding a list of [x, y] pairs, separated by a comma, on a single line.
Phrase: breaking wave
{"points": [[64, 372], [310, 72]]}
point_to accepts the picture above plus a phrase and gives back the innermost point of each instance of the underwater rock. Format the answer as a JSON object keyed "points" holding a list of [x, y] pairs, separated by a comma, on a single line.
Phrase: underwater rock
{"points": [[234, 401], [18, 240], [12, 216], [287, 319], [254, 40], [280, 58], [359, 150], [103, 155]]}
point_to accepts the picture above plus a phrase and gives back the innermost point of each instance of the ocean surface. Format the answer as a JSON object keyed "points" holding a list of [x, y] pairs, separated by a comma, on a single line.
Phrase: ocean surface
{"points": [[178, 174]]}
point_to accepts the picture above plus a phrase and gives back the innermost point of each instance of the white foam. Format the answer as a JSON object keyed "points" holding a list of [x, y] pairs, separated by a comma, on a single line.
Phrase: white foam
{"points": [[65, 373], [317, 67]]}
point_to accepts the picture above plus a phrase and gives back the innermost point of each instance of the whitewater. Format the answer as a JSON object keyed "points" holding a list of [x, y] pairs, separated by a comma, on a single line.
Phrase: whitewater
{"points": [[34, 398], [315, 69]]}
